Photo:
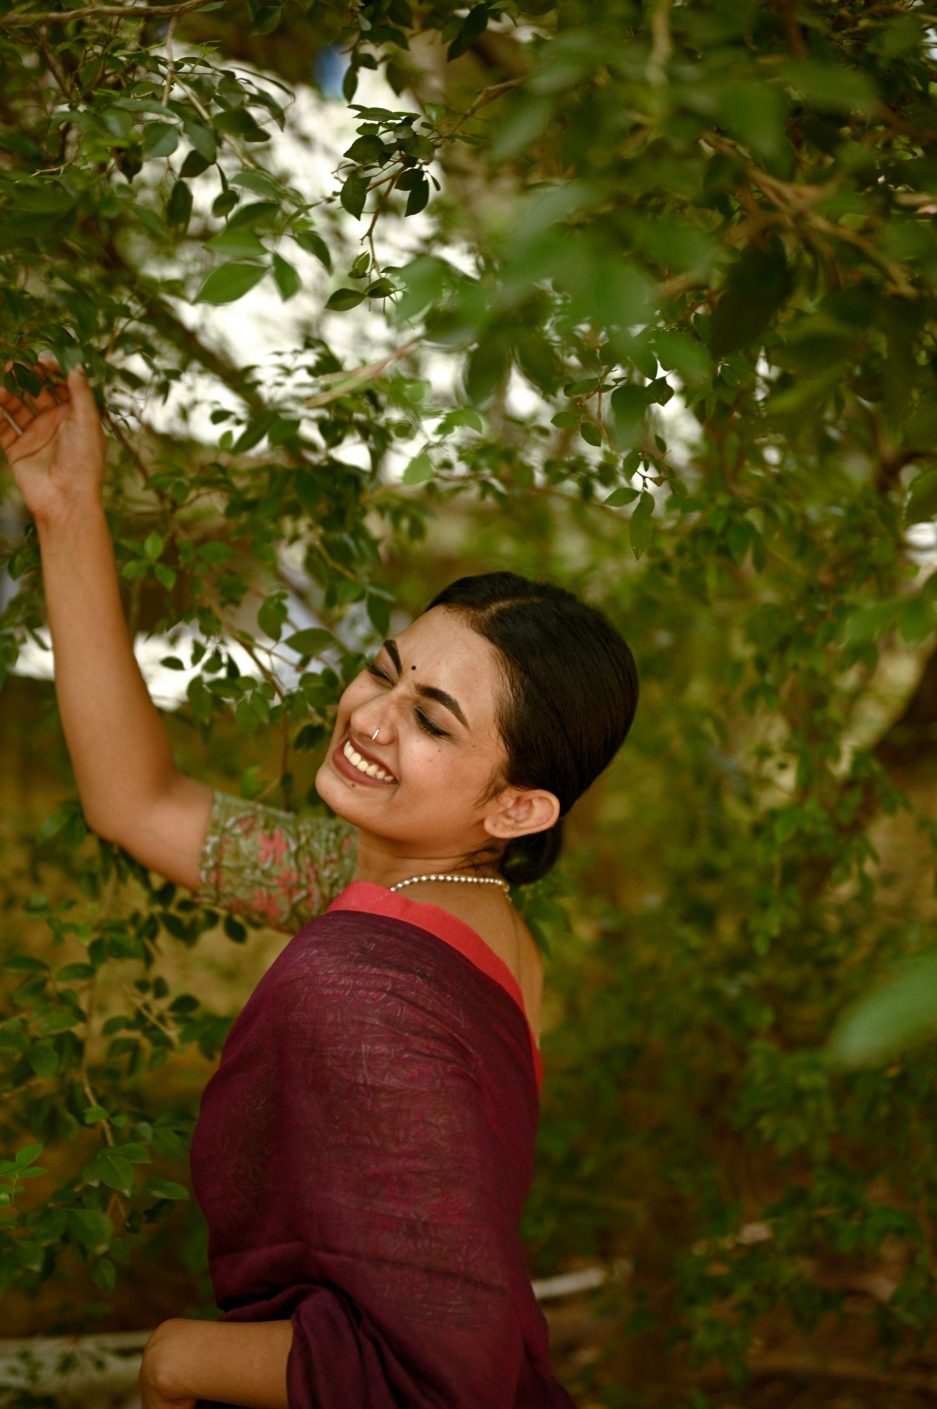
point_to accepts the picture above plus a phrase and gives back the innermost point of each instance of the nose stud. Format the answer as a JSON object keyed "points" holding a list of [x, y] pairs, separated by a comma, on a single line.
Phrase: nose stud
{"points": [[375, 734]]}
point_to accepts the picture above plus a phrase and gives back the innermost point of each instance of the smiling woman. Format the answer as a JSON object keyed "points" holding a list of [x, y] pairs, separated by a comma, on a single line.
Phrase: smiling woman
{"points": [[364, 1150]]}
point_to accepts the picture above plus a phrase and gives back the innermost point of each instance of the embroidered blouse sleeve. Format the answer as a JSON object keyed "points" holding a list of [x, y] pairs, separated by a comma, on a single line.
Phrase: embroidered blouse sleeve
{"points": [[271, 866]]}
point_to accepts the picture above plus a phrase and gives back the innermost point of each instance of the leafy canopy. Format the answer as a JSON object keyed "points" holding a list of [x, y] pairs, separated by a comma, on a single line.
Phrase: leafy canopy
{"points": [[655, 284]]}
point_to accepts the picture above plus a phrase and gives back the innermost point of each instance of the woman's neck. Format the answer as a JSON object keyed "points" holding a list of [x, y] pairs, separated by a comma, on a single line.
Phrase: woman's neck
{"points": [[385, 863]]}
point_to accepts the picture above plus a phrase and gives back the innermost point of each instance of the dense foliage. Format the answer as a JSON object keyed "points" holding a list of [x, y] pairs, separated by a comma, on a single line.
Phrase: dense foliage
{"points": [[651, 294]]}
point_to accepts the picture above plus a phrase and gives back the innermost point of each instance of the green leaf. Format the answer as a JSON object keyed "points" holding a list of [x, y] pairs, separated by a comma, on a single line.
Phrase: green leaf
{"points": [[104, 1274], [487, 369], [757, 286], [266, 19], [246, 716], [472, 27], [422, 281], [194, 165], [166, 1189], [272, 614], [179, 206], [621, 496], [214, 553], [754, 113], [831, 87], [310, 641], [286, 278], [419, 470], [257, 182], [367, 151], [354, 194], [922, 501], [629, 408], [523, 123], [804, 395], [236, 240], [160, 139], [153, 546], [418, 197], [27, 1154], [641, 525], [241, 123], [315, 245], [262, 214], [202, 139], [684, 354], [70, 973], [253, 433], [343, 299], [378, 608], [90, 1227], [229, 282], [897, 1015], [43, 1057], [111, 1169], [28, 963]]}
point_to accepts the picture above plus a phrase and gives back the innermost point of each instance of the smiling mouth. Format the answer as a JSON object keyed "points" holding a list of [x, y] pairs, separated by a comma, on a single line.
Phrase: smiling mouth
{"points": [[367, 767]]}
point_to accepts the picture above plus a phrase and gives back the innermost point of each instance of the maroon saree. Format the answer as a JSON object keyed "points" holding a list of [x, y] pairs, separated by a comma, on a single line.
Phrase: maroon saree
{"points": [[362, 1156]]}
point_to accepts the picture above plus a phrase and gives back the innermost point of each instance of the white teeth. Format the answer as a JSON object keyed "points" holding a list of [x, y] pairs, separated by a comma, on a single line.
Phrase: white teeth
{"points": [[373, 770]]}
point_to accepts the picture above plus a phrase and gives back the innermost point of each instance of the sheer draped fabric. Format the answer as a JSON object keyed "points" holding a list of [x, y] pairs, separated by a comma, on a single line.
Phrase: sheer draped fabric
{"points": [[362, 1156]]}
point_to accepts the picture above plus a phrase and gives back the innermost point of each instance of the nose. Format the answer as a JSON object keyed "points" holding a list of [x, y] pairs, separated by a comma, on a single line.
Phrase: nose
{"points": [[371, 724]]}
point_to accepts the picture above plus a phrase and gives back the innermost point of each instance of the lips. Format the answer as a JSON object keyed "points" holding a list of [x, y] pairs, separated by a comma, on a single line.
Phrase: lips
{"points": [[342, 765]]}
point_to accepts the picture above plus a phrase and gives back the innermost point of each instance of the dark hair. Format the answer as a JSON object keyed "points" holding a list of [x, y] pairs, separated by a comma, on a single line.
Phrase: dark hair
{"points": [[571, 690]]}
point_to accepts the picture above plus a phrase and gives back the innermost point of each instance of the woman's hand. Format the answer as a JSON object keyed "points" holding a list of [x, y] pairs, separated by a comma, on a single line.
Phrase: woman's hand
{"points": [[54, 442]]}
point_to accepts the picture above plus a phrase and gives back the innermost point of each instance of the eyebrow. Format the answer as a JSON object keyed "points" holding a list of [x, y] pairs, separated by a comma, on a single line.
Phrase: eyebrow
{"points": [[431, 692]]}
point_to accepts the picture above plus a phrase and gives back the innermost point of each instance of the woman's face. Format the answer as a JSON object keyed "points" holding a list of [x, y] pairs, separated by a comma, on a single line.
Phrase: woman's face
{"points": [[432, 693]]}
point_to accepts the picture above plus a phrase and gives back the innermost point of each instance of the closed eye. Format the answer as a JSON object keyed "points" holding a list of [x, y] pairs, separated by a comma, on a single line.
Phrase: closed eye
{"points": [[428, 726], [425, 724]]}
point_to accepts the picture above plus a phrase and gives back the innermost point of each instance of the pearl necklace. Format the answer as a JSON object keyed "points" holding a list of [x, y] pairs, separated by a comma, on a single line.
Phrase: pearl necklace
{"points": [[469, 880]]}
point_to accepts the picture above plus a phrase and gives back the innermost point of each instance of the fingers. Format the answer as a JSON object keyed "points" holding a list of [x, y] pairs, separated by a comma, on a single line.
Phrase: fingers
{"points": [[10, 429], [84, 406], [14, 417], [21, 407]]}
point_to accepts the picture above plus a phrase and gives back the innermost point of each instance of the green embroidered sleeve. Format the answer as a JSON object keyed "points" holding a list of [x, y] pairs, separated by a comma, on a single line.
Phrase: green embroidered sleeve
{"points": [[273, 867]]}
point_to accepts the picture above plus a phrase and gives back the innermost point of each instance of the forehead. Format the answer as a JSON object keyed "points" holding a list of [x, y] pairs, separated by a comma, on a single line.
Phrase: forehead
{"points": [[447, 652]]}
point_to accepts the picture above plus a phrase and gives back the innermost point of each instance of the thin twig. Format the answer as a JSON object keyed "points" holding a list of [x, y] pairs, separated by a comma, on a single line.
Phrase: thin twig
{"points": [[23, 18], [661, 43], [487, 95], [360, 375], [170, 64]]}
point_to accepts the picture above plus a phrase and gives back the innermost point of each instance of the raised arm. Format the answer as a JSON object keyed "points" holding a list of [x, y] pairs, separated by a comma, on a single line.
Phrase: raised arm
{"points": [[131, 791]]}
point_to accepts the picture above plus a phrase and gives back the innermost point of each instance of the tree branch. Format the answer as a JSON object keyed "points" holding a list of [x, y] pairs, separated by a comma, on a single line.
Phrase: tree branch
{"points": [[22, 19], [350, 381]]}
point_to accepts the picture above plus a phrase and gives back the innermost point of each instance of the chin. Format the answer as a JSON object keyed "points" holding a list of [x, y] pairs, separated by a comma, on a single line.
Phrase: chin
{"points": [[336, 795]]}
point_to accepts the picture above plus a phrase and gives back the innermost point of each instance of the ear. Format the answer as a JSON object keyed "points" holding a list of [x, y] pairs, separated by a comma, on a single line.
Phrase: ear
{"points": [[516, 812]]}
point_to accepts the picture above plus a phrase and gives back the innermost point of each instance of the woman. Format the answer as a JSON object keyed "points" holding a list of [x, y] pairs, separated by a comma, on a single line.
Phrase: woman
{"points": [[364, 1149]]}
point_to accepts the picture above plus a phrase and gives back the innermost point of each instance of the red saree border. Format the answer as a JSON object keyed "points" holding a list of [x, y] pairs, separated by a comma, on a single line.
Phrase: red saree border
{"points": [[366, 897]]}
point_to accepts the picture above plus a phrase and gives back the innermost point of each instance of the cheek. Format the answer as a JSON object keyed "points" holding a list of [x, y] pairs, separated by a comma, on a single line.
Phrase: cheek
{"points": [[353, 695]]}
